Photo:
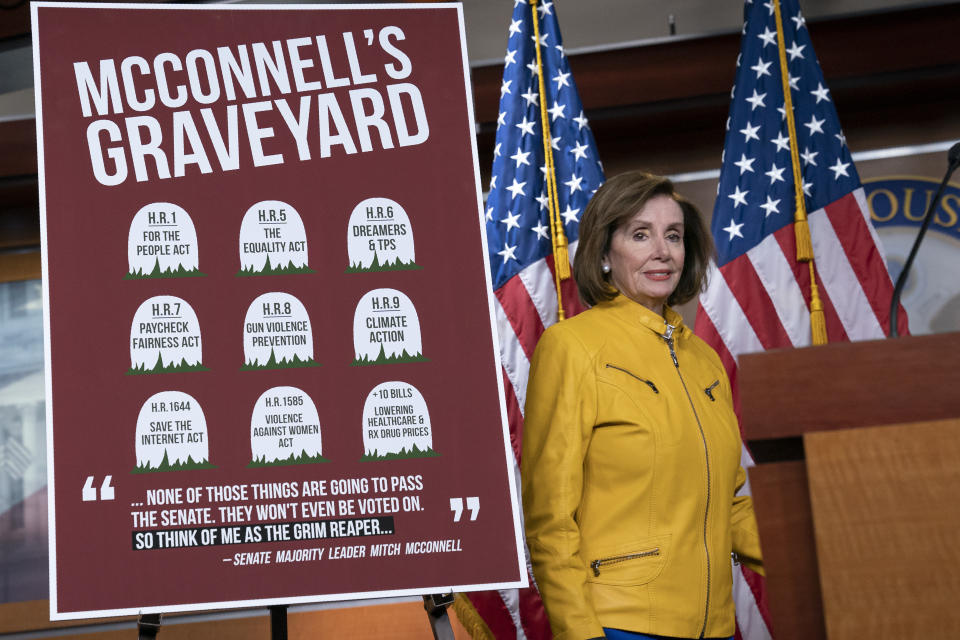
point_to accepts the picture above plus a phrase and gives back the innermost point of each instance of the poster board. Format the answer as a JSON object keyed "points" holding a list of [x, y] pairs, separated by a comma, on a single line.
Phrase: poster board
{"points": [[271, 362]]}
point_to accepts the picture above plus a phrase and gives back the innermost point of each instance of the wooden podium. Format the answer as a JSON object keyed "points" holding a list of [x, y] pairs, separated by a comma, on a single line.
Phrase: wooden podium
{"points": [[857, 486]]}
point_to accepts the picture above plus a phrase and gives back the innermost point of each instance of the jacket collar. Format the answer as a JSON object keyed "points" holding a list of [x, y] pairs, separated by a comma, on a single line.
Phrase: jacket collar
{"points": [[636, 312]]}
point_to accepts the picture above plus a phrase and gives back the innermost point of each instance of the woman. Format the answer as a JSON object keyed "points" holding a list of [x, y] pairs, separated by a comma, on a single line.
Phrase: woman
{"points": [[631, 450]]}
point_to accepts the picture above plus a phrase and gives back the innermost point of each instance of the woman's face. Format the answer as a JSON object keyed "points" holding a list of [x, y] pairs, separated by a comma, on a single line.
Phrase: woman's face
{"points": [[646, 253]]}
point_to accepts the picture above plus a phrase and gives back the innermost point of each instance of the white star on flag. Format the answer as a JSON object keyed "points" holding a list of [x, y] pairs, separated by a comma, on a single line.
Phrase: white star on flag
{"points": [[762, 68], [520, 157], [840, 169], [796, 51], [734, 230], [526, 126], [516, 189], [541, 230], [739, 197], [756, 100], [570, 215], [562, 79], [815, 126], [770, 206], [768, 37], [579, 151], [821, 93], [782, 142], [750, 133], [511, 221], [580, 120], [508, 252], [556, 111], [745, 164], [574, 183], [775, 174]]}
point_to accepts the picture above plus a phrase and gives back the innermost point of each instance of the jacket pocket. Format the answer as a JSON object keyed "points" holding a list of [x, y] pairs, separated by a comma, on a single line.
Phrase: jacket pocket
{"points": [[635, 563], [649, 383], [709, 390], [652, 406]]}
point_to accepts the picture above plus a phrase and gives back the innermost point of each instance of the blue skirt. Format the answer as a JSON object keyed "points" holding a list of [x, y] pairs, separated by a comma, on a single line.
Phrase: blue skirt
{"points": [[620, 634]]}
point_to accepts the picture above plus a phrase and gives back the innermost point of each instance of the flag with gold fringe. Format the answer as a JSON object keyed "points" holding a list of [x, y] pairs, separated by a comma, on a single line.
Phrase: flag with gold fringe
{"points": [[545, 170], [798, 261]]}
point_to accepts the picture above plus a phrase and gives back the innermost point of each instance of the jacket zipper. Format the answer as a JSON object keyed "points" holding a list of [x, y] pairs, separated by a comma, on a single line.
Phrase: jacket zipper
{"points": [[633, 375], [709, 390], [596, 564], [668, 338]]}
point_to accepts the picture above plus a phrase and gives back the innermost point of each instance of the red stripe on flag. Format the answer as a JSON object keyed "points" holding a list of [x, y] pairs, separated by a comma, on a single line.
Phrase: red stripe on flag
{"points": [[520, 311], [514, 417], [533, 616], [787, 239], [748, 289], [865, 259], [757, 586], [494, 612]]}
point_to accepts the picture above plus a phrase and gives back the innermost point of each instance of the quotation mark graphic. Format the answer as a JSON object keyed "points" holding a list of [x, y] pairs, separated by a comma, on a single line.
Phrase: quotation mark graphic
{"points": [[456, 505], [90, 494]]}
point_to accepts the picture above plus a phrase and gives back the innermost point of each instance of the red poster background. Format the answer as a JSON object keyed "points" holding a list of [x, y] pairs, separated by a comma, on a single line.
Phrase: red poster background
{"points": [[94, 405]]}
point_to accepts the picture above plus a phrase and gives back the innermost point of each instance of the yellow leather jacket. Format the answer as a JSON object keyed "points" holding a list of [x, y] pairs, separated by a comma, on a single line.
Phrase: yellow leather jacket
{"points": [[630, 466]]}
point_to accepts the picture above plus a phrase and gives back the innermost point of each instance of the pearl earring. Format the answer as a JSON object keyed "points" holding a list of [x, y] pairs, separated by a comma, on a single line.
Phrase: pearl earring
{"points": [[605, 268]]}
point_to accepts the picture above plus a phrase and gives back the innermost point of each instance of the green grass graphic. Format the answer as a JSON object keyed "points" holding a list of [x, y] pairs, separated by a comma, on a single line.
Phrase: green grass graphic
{"points": [[303, 458], [283, 363], [396, 265], [159, 367], [403, 454], [270, 270], [179, 272], [176, 466], [382, 358]]}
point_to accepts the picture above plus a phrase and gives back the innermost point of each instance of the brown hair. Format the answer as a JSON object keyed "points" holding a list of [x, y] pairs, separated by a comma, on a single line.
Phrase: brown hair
{"points": [[614, 203]]}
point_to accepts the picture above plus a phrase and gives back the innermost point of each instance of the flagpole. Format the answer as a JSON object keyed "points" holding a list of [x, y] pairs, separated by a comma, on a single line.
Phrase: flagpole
{"points": [[561, 256], [818, 325]]}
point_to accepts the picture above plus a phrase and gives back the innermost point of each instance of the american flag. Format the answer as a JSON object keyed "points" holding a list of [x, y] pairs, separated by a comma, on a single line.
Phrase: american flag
{"points": [[519, 243], [758, 294]]}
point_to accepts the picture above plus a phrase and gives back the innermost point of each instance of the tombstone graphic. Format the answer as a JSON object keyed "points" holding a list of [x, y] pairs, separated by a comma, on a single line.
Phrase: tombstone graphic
{"points": [[386, 329], [171, 434], [379, 237], [396, 423], [272, 240], [277, 333], [165, 337], [285, 429], [162, 243]]}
